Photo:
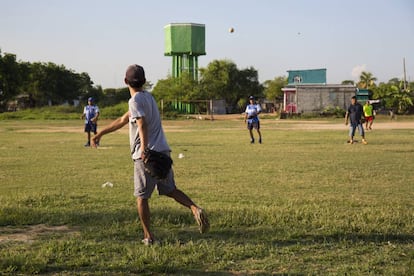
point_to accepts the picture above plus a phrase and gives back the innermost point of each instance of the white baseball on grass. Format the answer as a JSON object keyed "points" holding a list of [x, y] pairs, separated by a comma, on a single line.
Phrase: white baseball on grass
{"points": [[107, 184]]}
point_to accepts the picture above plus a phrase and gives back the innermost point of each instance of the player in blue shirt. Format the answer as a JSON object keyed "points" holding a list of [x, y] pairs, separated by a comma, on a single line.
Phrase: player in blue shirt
{"points": [[354, 115], [252, 118], [90, 114]]}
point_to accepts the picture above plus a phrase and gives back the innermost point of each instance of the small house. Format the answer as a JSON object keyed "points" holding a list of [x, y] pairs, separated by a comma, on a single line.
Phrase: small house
{"points": [[308, 92]]}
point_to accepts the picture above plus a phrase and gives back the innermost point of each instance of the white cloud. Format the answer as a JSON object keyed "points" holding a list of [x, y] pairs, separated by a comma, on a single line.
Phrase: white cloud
{"points": [[357, 70]]}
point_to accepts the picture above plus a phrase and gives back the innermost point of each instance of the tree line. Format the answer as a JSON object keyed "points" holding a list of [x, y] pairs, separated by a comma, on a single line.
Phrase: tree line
{"points": [[48, 83], [220, 80], [42, 83], [396, 95]]}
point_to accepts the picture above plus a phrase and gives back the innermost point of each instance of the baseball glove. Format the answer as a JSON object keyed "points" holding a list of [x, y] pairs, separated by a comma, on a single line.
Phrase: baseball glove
{"points": [[157, 164]]}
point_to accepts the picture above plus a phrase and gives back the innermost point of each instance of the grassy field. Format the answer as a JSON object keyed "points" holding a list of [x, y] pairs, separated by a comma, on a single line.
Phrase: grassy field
{"points": [[303, 202]]}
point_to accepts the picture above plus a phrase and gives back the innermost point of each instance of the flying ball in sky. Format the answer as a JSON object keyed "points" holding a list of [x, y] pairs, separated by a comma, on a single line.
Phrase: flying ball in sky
{"points": [[231, 30]]}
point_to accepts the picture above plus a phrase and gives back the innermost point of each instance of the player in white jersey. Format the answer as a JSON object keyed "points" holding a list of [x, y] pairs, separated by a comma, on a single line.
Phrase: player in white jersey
{"points": [[90, 114], [252, 118]]}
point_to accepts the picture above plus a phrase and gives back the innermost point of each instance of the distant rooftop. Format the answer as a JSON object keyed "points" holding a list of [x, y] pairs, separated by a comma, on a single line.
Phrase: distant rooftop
{"points": [[310, 76]]}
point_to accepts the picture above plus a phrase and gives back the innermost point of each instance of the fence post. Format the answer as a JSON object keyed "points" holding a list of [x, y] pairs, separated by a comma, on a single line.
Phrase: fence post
{"points": [[211, 109], [162, 109]]}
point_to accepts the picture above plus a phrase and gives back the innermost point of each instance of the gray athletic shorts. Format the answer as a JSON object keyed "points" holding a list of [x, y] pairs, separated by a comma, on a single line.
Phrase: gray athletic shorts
{"points": [[144, 183]]}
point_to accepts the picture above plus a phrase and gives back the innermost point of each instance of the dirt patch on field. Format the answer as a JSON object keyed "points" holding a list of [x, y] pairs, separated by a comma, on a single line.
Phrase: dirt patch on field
{"points": [[33, 232], [180, 125], [321, 125], [64, 129]]}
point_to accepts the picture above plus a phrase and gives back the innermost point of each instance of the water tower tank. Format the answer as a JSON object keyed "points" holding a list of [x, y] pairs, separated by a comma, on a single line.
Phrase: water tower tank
{"points": [[184, 42]]}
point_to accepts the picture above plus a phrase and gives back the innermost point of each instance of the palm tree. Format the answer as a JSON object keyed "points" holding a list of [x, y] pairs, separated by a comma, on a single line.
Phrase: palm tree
{"points": [[366, 80]]}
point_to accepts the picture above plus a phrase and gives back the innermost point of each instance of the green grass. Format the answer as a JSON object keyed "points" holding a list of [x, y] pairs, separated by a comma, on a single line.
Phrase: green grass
{"points": [[303, 202]]}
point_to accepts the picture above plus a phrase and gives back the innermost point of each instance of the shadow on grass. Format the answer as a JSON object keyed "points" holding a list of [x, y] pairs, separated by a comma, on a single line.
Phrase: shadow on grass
{"points": [[176, 224], [168, 221], [277, 236], [358, 237], [246, 235]]}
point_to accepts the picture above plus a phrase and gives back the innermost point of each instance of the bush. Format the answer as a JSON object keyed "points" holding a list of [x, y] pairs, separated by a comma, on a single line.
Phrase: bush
{"points": [[112, 112], [170, 115], [44, 113], [336, 112]]}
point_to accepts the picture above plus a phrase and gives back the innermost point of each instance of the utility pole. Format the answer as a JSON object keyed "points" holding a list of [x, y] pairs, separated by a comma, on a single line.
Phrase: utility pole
{"points": [[405, 77]]}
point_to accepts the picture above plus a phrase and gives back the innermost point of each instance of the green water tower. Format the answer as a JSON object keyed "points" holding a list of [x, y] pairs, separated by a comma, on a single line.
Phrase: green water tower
{"points": [[185, 42]]}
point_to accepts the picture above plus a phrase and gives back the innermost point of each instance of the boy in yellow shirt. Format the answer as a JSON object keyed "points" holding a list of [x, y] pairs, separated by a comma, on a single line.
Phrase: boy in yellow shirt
{"points": [[369, 116]]}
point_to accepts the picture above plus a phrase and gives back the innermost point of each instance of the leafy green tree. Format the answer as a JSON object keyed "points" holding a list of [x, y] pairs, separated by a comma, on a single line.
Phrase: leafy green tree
{"points": [[410, 87], [403, 101], [219, 80], [83, 88], [248, 84], [49, 82], [348, 82], [188, 87], [384, 93], [44, 82], [273, 88], [394, 81], [182, 88], [393, 96], [10, 77], [173, 90], [222, 80], [215, 79], [36, 77], [113, 96]]}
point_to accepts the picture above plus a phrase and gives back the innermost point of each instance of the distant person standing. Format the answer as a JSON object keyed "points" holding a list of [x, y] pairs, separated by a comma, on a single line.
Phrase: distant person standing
{"points": [[369, 115], [354, 115], [252, 118], [90, 114]]}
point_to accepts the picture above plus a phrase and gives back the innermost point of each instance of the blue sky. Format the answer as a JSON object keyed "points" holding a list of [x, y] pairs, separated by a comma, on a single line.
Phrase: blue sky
{"points": [[103, 37]]}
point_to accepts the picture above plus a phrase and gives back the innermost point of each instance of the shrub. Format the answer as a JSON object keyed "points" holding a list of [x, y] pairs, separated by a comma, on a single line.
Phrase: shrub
{"points": [[336, 112], [112, 112]]}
